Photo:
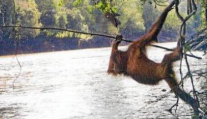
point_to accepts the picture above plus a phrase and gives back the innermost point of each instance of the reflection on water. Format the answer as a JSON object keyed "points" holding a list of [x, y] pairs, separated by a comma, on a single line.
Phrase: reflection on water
{"points": [[74, 84]]}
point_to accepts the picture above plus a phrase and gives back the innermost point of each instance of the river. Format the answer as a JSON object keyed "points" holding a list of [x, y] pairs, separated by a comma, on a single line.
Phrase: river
{"points": [[75, 85]]}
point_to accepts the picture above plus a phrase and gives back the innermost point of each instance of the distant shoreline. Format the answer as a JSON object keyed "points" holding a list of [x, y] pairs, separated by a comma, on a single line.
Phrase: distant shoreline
{"points": [[22, 52], [38, 45]]}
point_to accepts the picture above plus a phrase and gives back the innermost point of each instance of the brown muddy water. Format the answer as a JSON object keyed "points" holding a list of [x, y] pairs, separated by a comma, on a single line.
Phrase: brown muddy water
{"points": [[75, 85]]}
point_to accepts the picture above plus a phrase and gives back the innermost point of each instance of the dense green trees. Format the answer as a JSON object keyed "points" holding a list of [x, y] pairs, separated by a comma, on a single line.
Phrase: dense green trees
{"points": [[27, 14], [136, 17], [7, 16]]}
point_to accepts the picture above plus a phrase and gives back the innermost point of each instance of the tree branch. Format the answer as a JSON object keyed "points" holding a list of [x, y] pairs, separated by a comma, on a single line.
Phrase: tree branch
{"points": [[86, 33], [182, 44], [57, 29]]}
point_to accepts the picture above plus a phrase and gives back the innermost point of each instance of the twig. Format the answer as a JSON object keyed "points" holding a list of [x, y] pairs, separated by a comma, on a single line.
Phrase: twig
{"points": [[198, 33], [193, 56], [168, 49], [157, 46], [186, 59], [20, 66], [17, 46], [158, 4], [182, 43], [175, 105]]}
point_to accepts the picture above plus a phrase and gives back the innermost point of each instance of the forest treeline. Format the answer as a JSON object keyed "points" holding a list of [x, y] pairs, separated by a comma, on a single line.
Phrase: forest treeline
{"points": [[136, 18]]}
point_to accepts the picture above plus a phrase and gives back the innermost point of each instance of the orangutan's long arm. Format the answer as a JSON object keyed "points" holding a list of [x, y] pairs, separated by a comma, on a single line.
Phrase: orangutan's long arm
{"points": [[152, 34], [111, 60], [157, 26], [111, 66]]}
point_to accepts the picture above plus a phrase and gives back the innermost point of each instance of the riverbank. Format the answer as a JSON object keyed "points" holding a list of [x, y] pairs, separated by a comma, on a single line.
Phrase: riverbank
{"points": [[11, 47], [47, 44]]}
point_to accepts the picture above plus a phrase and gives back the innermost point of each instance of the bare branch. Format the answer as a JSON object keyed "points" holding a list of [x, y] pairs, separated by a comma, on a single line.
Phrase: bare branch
{"points": [[57, 29], [87, 33]]}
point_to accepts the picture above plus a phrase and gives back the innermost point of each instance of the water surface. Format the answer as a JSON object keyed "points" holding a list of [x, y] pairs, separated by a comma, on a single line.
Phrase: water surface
{"points": [[75, 85]]}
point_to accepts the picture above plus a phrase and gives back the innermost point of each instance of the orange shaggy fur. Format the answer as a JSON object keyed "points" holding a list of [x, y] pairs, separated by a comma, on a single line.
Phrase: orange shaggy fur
{"points": [[137, 65]]}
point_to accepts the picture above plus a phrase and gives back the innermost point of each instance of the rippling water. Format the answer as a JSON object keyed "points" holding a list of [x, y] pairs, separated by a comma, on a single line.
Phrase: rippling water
{"points": [[75, 85]]}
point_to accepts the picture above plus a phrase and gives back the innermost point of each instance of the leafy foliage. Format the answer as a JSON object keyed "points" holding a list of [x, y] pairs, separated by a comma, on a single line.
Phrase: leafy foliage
{"points": [[7, 16], [28, 15], [136, 16]]}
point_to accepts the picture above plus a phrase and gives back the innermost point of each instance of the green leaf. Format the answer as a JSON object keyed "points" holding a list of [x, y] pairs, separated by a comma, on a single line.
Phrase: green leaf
{"points": [[103, 6], [187, 48], [90, 9], [77, 2], [61, 3], [114, 10]]}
